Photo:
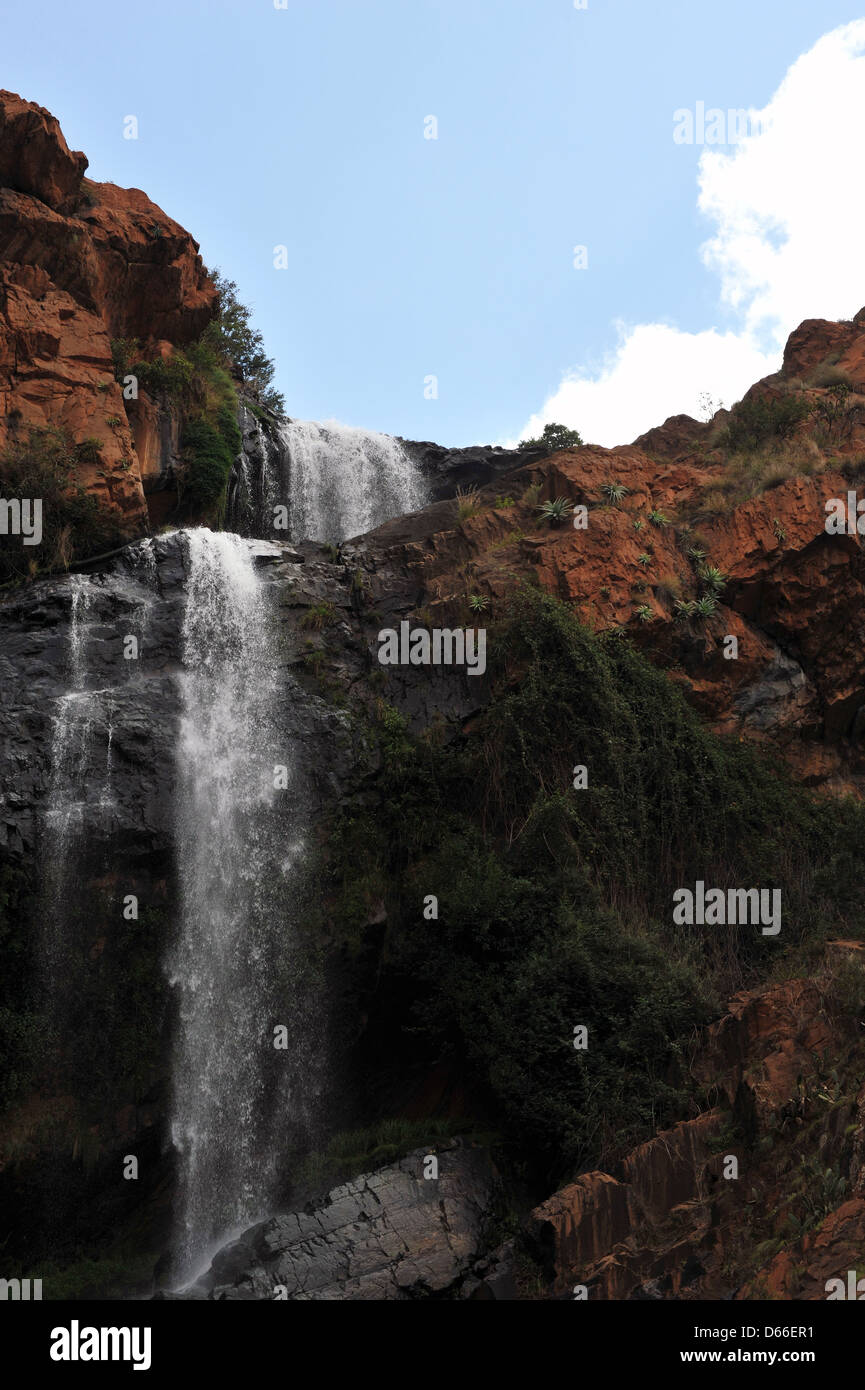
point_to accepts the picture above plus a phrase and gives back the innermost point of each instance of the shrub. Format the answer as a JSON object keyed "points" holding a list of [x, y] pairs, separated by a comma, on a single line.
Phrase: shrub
{"points": [[74, 525], [319, 616], [757, 419], [210, 448], [231, 336], [467, 502], [555, 906], [828, 374], [554, 437]]}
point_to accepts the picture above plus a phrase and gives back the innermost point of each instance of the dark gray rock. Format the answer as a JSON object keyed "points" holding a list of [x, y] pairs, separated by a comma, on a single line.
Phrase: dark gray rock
{"points": [[387, 1235], [474, 466]]}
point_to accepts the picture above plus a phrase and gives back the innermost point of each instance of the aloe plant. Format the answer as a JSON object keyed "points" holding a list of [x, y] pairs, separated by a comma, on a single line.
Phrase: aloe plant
{"points": [[705, 606], [696, 552], [715, 578], [478, 603], [639, 523], [685, 608], [644, 559], [614, 492], [643, 613], [555, 510], [658, 518]]}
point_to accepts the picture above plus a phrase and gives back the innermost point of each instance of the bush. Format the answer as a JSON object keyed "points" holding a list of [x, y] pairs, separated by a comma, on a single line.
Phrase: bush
{"points": [[554, 437], [828, 374], [210, 448], [232, 336], [760, 418], [555, 905], [74, 525]]}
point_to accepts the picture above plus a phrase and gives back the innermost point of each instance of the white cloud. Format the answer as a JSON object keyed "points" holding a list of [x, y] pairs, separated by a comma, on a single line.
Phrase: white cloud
{"points": [[789, 209]]}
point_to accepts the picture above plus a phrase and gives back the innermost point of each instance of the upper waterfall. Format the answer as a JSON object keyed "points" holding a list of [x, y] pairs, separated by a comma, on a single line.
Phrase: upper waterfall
{"points": [[344, 481], [326, 482]]}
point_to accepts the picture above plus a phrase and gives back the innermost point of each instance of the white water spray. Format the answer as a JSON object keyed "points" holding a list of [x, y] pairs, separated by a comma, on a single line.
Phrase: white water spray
{"points": [[232, 864], [343, 481]]}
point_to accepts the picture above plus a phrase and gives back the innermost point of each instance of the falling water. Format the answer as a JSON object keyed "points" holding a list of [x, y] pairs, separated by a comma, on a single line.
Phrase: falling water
{"points": [[254, 488], [72, 724], [343, 481], [237, 848]]}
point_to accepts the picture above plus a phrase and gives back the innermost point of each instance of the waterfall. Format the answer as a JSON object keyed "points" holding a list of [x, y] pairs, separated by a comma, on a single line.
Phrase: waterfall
{"points": [[72, 728], [342, 481], [235, 1096], [254, 487]]}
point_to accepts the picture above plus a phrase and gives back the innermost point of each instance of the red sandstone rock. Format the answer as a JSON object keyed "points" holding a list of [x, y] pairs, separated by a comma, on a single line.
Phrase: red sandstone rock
{"points": [[82, 263], [34, 156]]}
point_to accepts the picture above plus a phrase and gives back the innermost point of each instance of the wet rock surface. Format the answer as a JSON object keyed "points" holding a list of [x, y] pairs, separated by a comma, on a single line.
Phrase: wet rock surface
{"points": [[392, 1234]]}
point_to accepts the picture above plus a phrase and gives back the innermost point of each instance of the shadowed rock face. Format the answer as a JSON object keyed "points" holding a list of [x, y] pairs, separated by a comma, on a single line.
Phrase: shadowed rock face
{"points": [[388, 1235], [671, 1225], [446, 470]]}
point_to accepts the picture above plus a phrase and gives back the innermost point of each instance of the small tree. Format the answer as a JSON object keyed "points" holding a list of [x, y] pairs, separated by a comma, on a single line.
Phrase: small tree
{"points": [[554, 437], [232, 336]]}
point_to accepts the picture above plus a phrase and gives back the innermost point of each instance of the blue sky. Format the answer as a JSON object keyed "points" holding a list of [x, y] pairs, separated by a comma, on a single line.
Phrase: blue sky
{"points": [[304, 127]]}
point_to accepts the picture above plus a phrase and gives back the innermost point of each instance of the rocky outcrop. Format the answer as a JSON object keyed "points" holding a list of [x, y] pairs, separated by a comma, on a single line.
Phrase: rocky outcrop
{"points": [[34, 157], [393, 1234], [82, 263], [671, 1224], [447, 470]]}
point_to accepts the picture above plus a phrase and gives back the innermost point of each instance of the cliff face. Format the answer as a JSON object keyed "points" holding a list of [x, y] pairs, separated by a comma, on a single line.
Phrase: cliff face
{"points": [[704, 542], [82, 263], [790, 593]]}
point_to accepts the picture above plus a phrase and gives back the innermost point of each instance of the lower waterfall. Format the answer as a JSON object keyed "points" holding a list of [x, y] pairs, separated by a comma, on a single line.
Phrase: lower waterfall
{"points": [[237, 848]]}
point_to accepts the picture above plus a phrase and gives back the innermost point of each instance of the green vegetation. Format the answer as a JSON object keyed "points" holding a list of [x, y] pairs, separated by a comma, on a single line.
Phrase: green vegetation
{"points": [[614, 492], [759, 419], [555, 905], [201, 378], [231, 336], [355, 1151], [829, 374], [714, 578], [555, 510], [468, 502], [45, 466], [554, 437], [319, 616], [210, 446]]}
